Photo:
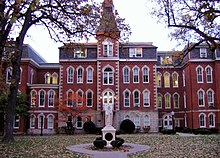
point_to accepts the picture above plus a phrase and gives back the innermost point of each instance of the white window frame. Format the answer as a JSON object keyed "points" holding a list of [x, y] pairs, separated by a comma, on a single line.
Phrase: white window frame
{"points": [[135, 52], [40, 98], [146, 121], [79, 98], [89, 75], [51, 98], [145, 74], [33, 98], [39, 120], [87, 98], [109, 75], [166, 79], [136, 72], [178, 102], [136, 104], [209, 74], [175, 85], [161, 101], [146, 98], [47, 77], [211, 125], [70, 72], [126, 77], [107, 48], [202, 124], [55, 78], [69, 100], [203, 52], [210, 99], [50, 123], [159, 76], [137, 121], [32, 121], [80, 74], [199, 74], [199, 97], [167, 102], [16, 123], [79, 121], [128, 99]]}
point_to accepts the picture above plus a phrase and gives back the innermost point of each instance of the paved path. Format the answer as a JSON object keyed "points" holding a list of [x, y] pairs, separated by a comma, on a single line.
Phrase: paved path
{"points": [[187, 135], [108, 154]]}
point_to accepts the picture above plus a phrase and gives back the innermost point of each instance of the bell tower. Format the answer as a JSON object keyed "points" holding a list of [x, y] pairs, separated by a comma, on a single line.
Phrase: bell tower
{"points": [[107, 35]]}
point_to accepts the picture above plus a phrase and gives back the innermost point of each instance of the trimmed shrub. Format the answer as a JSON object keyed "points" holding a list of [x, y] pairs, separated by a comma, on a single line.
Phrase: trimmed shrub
{"points": [[116, 143], [89, 127], [202, 131], [127, 126], [168, 131], [100, 144], [187, 130], [98, 138], [213, 130], [120, 139]]}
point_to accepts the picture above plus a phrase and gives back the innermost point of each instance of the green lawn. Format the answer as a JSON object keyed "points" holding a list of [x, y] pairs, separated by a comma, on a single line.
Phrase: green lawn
{"points": [[163, 146]]}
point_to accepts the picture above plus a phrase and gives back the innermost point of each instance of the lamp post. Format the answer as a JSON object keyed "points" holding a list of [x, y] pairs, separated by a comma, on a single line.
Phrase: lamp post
{"points": [[173, 123]]}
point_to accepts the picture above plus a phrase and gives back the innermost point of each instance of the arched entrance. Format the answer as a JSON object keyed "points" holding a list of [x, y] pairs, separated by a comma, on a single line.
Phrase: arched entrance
{"points": [[167, 122]]}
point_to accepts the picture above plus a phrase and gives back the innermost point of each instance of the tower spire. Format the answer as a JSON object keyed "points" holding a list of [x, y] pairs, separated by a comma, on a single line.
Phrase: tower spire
{"points": [[108, 25]]}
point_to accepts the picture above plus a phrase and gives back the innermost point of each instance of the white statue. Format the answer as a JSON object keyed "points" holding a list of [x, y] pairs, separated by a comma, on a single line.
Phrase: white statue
{"points": [[108, 115]]}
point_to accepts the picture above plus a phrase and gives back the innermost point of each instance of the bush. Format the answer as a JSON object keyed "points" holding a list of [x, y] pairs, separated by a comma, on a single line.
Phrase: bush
{"points": [[202, 131], [89, 127], [168, 131], [127, 126], [116, 143], [179, 129], [213, 130], [100, 144], [187, 130], [120, 139]]}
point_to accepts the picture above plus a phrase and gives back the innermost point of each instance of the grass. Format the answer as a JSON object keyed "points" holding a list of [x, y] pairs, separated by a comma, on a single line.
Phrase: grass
{"points": [[162, 146]]}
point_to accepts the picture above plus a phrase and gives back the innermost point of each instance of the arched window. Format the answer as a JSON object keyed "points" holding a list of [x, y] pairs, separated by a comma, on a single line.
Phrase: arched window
{"points": [[126, 75], [167, 101], [126, 98], [145, 72], [159, 101], [108, 76], [50, 122], [210, 97], [201, 98], [176, 100], [199, 72], [137, 121], [40, 121], [175, 79], [79, 98], [47, 78], [89, 100], [146, 98], [80, 75], [32, 121], [211, 120], [158, 81], [166, 79], [208, 74], [202, 120], [136, 97], [41, 98], [146, 121], [89, 75], [16, 121], [136, 75], [51, 97], [70, 75], [54, 78], [69, 100], [33, 98]]}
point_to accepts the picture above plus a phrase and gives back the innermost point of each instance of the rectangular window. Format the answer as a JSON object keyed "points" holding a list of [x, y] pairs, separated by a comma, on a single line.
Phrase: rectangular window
{"points": [[79, 53], [108, 50], [203, 53], [89, 99], [135, 52], [126, 99]]}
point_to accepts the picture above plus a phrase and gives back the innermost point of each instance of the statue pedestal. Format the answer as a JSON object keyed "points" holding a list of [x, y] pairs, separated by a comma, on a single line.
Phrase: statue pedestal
{"points": [[108, 134]]}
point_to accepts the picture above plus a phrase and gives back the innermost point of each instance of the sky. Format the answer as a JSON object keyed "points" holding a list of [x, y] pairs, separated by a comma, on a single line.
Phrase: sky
{"points": [[136, 13]]}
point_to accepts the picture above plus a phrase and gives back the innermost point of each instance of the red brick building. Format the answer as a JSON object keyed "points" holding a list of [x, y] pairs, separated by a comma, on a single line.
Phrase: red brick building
{"points": [[139, 82]]}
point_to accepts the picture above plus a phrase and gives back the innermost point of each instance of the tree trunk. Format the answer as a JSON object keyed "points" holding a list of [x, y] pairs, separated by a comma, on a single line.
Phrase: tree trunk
{"points": [[10, 111]]}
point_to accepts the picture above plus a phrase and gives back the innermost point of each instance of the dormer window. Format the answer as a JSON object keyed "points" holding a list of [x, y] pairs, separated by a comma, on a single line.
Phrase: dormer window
{"points": [[80, 53], [135, 52], [107, 48], [203, 53]]}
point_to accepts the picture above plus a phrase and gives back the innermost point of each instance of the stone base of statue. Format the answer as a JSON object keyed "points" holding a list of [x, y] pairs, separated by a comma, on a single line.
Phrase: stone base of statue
{"points": [[108, 134]]}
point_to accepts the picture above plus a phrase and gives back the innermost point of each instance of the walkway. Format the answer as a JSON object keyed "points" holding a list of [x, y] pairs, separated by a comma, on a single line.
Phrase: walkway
{"points": [[187, 134], [108, 154]]}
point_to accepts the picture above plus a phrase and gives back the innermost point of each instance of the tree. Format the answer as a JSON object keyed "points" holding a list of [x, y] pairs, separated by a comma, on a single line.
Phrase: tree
{"points": [[65, 20], [191, 22]]}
